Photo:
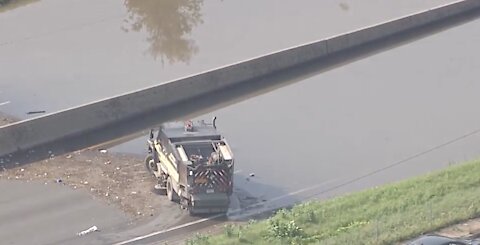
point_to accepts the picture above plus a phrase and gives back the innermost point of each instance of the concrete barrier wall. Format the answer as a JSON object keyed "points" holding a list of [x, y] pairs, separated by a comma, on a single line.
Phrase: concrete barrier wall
{"points": [[66, 124]]}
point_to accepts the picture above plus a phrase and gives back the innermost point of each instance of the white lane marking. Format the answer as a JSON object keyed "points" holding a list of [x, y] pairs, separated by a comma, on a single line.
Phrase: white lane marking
{"points": [[219, 215], [169, 229], [5, 103]]}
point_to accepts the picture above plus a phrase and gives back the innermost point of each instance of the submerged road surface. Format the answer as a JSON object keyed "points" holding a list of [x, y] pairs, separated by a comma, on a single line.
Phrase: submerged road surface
{"points": [[319, 133], [362, 117]]}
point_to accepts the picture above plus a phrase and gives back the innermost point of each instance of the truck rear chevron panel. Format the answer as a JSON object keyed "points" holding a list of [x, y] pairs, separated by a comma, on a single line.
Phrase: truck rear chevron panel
{"points": [[212, 178]]}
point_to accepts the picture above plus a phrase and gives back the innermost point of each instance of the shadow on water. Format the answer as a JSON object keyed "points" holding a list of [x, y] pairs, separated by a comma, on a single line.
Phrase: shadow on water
{"points": [[168, 24], [6, 5]]}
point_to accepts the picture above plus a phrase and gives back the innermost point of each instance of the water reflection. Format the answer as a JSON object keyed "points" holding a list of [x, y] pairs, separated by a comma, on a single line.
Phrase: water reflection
{"points": [[168, 24], [6, 5]]}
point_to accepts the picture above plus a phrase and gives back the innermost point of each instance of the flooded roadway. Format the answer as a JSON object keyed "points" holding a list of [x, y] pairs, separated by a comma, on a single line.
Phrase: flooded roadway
{"points": [[100, 49], [321, 132]]}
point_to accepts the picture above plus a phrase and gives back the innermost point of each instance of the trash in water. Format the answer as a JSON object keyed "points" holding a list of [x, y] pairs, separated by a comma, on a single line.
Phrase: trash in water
{"points": [[252, 174], [35, 112], [344, 6], [89, 230], [58, 181], [68, 156], [102, 151]]}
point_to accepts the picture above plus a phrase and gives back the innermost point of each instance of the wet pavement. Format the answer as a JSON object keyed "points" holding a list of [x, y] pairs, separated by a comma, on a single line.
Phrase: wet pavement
{"points": [[38, 213], [316, 138]]}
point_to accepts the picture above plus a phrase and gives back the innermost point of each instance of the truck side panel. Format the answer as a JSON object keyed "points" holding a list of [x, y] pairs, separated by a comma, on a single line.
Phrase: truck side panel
{"points": [[183, 174], [167, 163]]}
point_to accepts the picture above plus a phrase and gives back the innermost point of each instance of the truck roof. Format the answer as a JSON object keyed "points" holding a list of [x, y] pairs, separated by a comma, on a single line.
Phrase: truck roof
{"points": [[201, 131]]}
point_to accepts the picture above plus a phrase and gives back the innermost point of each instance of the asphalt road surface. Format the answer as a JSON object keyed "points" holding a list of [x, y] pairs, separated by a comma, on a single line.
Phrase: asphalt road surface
{"points": [[39, 213]]}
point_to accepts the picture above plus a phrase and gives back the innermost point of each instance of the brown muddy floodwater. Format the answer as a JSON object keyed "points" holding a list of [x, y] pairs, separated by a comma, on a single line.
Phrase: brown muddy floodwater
{"points": [[56, 54], [317, 134]]}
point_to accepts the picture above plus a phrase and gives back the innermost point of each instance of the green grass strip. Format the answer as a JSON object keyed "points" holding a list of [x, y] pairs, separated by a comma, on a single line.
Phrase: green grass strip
{"points": [[383, 215]]}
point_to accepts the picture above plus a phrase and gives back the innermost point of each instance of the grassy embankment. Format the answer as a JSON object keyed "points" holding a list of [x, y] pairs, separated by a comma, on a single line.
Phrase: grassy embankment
{"points": [[382, 215]]}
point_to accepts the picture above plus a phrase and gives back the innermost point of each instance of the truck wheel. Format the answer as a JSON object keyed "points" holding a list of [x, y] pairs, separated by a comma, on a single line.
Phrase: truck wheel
{"points": [[171, 194], [160, 190], [192, 212], [150, 164]]}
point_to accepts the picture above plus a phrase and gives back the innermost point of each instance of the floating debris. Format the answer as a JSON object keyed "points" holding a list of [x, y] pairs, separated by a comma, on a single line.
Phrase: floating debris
{"points": [[344, 6], [102, 151], [89, 230], [35, 112]]}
